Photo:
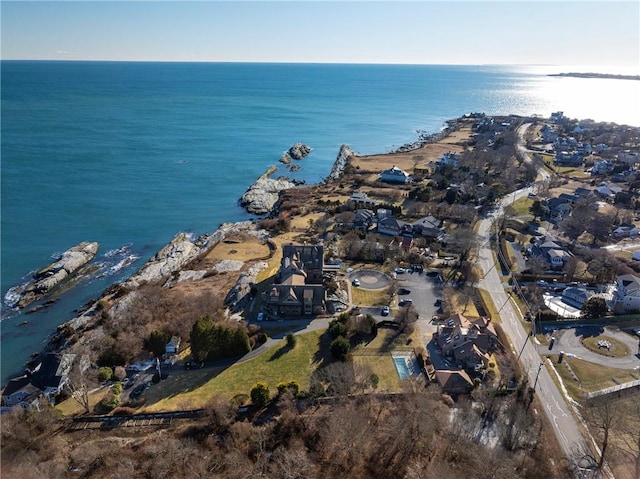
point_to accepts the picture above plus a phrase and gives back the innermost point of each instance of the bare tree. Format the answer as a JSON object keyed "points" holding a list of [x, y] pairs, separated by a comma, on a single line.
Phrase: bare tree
{"points": [[80, 381], [603, 416]]}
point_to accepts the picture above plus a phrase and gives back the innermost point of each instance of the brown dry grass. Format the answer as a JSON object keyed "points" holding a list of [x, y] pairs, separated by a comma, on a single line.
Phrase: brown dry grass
{"points": [[245, 249], [405, 160]]}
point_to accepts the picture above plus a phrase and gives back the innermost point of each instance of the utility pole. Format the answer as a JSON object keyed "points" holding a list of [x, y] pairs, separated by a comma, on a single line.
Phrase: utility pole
{"points": [[537, 376]]}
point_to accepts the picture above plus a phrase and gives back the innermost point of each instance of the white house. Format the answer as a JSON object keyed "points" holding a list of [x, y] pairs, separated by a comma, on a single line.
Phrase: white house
{"points": [[20, 392], [576, 296], [608, 190], [395, 175], [626, 297], [362, 199], [448, 159]]}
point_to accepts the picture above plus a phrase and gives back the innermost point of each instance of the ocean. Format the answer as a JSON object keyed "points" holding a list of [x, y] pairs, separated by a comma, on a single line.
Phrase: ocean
{"points": [[129, 154]]}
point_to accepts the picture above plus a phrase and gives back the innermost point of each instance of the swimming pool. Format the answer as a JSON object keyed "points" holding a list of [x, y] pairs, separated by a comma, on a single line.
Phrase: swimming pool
{"points": [[401, 367], [406, 365]]}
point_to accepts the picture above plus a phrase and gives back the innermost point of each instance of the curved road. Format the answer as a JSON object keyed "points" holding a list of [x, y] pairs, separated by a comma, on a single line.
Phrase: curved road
{"points": [[569, 341], [557, 411]]}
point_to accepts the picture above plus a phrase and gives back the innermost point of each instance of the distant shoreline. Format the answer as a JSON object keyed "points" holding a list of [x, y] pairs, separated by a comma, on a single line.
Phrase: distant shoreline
{"points": [[596, 75]]}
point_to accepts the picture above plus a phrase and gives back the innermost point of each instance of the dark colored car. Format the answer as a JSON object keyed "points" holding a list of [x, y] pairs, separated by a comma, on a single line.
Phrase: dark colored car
{"points": [[137, 392], [404, 291]]}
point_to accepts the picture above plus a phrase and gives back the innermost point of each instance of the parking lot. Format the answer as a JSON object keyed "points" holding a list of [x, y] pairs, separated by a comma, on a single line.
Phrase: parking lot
{"points": [[424, 291]]}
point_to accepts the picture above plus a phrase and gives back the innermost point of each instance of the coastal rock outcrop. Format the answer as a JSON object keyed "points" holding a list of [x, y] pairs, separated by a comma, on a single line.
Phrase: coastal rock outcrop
{"points": [[172, 257], [341, 161], [261, 197], [46, 279], [166, 262], [298, 151], [242, 288]]}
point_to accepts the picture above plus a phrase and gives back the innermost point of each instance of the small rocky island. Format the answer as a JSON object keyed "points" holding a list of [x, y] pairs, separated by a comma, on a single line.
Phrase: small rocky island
{"points": [[298, 151], [49, 277]]}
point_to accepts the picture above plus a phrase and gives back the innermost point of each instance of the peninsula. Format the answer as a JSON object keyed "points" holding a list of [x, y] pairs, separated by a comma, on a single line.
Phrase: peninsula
{"points": [[596, 75]]}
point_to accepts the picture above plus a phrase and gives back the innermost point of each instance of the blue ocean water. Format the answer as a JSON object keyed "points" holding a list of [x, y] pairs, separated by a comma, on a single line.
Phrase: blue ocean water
{"points": [[129, 154]]}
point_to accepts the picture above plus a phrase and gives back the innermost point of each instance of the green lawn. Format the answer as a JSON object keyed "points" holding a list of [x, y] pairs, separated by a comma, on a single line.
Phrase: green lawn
{"points": [[591, 377], [193, 389], [273, 366], [521, 206]]}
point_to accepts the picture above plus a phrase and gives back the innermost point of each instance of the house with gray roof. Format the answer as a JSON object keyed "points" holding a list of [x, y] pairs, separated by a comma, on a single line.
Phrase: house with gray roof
{"points": [[551, 251], [429, 227], [394, 227], [395, 175], [298, 290]]}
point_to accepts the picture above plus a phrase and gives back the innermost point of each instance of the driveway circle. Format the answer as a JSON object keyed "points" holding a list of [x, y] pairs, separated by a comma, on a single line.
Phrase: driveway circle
{"points": [[370, 279]]}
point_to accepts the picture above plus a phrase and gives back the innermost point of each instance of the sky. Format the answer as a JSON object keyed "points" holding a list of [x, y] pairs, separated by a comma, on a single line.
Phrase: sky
{"points": [[551, 32]]}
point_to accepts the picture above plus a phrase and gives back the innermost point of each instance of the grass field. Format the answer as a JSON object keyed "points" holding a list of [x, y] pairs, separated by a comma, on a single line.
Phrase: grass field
{"points": [[383, 367], [246, 249], [70, 407], [591, 377], [521, 206], [193, 389], [273, 366], [369, 297], [489, 305], [616, 350], [376, 355]]}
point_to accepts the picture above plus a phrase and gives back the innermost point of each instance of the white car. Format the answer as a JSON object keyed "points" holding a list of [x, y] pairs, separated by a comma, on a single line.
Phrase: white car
{"points": [[399, 270], [385, 311], [356, 282]]}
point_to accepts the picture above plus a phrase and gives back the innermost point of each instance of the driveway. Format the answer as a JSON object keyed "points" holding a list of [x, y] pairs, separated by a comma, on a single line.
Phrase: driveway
{"points": [[569, 341], [370, 278], [424, 292]]}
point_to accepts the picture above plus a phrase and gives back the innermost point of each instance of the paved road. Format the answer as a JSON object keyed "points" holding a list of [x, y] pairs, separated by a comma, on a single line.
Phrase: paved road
{"points": [[557, 411], [560, 417], [624, 245]]}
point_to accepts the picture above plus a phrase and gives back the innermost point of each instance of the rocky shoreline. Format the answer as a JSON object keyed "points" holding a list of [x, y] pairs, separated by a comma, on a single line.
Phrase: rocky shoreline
{"points": [[51, 276], [168, 265], [341, 161]]}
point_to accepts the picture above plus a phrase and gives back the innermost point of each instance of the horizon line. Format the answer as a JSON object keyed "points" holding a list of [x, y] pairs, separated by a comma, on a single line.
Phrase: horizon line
{"points": [[285, 62]]}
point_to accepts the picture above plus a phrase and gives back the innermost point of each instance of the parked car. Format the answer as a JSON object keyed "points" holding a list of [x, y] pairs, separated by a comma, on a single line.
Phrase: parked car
{"points": [[355, 282], [260, 316], [399, 270], [194, 365], [137, 392], [405, 302], [385, 311], [404, 291]]}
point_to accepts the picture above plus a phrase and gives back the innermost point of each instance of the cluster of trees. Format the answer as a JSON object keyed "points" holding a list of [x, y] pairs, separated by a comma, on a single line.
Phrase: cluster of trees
{"points": [[347, 329], [144, 321], [211, 340], [405, 436]]}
